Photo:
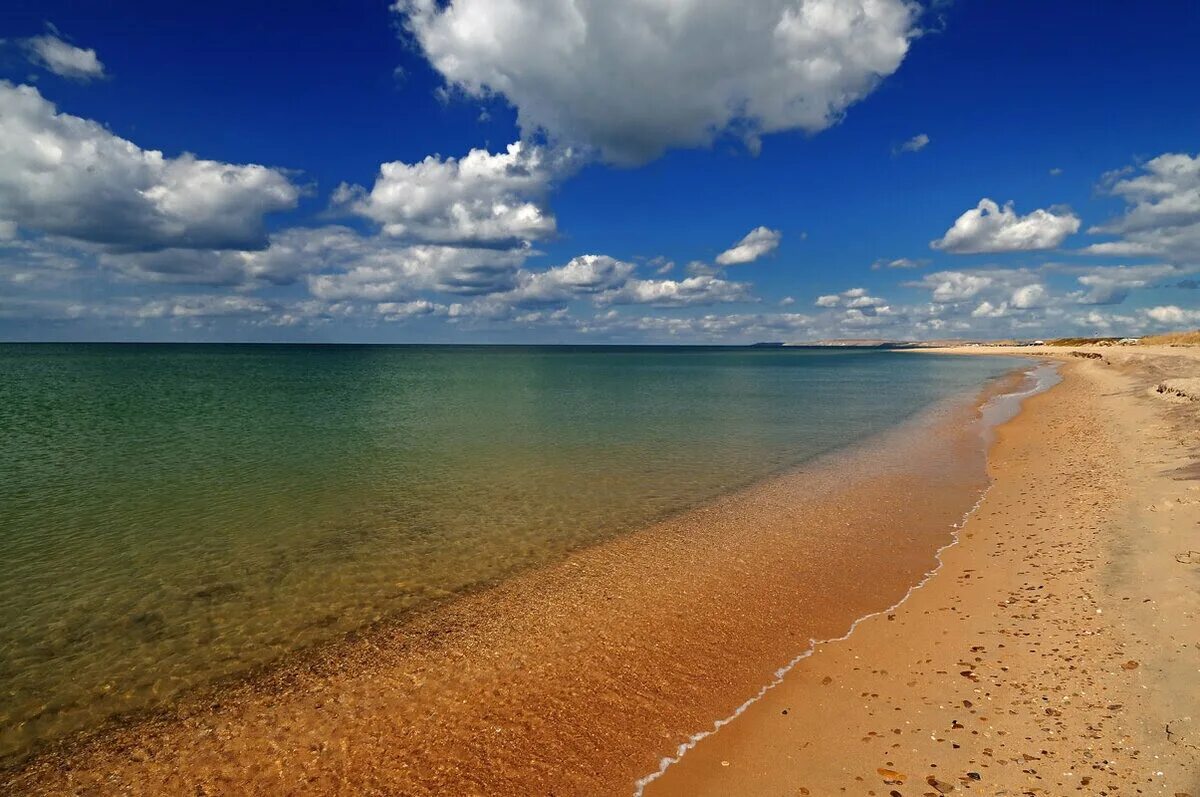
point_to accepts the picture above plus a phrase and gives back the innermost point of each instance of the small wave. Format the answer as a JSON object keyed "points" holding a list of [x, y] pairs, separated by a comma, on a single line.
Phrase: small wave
{"points": [[995, 411]]}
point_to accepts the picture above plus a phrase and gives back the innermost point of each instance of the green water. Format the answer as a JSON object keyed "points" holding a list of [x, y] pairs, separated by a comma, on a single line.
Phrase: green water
{"points": [[173, 514]]}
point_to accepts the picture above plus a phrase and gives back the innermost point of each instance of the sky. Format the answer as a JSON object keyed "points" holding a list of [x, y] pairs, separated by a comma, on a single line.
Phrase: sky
{"points": [[598, 171]]}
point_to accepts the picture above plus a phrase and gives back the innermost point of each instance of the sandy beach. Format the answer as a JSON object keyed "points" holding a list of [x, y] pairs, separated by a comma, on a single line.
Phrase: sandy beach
{"points": [[1058, 649], [1053, 650]]}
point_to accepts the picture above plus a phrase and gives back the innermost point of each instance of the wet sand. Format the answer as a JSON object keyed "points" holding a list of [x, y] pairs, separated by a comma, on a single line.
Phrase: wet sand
{"points": [[576, 678], [1058, 650]]}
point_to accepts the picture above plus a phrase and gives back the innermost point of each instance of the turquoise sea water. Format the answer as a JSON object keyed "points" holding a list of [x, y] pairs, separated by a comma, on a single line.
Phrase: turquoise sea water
{"points": [[171, 514]]}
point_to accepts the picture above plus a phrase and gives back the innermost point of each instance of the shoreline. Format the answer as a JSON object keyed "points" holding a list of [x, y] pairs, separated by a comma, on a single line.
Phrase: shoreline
{"points": [[549, 665], [1010, 404], [1057, 650]]}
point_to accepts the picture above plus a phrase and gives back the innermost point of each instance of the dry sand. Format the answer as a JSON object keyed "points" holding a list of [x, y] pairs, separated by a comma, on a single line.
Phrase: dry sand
{"points": [[1057, 651]]}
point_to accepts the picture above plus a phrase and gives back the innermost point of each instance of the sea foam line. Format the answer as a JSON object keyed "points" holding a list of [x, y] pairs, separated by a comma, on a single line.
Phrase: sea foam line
{"points": [[1045, 376]]}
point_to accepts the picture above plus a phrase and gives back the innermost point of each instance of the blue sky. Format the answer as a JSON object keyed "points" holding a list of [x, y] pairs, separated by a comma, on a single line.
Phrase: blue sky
{"points": [[584, 171]]}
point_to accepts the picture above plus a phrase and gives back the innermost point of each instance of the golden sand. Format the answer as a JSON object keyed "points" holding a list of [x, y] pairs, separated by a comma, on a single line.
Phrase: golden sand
{"points": [[1056, 653]]}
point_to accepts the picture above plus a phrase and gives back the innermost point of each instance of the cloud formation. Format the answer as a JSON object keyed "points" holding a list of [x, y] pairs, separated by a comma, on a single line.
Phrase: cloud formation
{"points": [[67, 176], [480, 199], [1113, 284], [1163, 214], [899, 262], [699, 290], [991, 228], [581, 276], [633, 78], [914, 144], [756, 243], [63, 58], [1173, 315]]}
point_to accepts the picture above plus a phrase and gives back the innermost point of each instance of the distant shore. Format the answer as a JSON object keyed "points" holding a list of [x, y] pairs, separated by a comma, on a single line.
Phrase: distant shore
{"points": [[1057, 650]]}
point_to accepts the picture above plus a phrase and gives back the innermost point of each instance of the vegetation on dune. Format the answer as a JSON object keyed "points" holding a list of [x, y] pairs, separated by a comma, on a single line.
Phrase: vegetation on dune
{"points": [[1191, 338], [1082, 341]]}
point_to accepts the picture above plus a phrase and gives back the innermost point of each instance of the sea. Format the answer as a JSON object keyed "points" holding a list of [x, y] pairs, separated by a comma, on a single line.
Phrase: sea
{"points": [[174, 515]]}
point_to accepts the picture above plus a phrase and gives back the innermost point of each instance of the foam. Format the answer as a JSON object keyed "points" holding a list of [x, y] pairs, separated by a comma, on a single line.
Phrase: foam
{"points": [[995, 411]]}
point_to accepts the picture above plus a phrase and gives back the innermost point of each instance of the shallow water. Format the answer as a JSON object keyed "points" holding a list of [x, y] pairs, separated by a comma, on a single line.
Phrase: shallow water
{"points": [[174, 514]]}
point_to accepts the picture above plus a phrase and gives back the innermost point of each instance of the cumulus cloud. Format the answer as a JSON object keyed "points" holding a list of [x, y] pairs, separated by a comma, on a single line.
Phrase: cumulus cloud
{"points": [[581, 276], [857, 307], [991, 228], [1029, 296], [756, 243], [956, 286], [914, 144], [482, 199], [1113, 284], [1162, 218], [371, 269], [215, 305], [402, 311], [1173, 315], [698, 290], [64, 59], [633, 78], [988, 310], [67, 176]]}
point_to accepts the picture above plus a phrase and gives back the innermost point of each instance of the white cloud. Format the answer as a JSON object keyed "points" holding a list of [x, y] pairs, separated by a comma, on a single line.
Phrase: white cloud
{"points": [[64, 59], [699, 290], [956, 286], [1029, 296], [633, 78], [1172, 314], [402, 311], [991, 228], [67, 176], [202, 306], [989, 310], [756, 243], [1112, 284], [373, 269], [479, 199], [1163, 214], [899, 262], [583, 275], [857, 309], [914, 144]]}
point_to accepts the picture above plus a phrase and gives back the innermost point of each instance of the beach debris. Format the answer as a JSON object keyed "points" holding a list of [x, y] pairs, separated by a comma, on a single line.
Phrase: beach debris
{"points": [[891, 777], [1088, 355], [1188, 558], [942, 788], [1130, 665], [974, 776], [1179, 389]]}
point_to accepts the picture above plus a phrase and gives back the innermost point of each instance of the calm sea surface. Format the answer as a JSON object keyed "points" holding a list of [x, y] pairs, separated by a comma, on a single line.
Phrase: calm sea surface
{"points": [[174, 514]]}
